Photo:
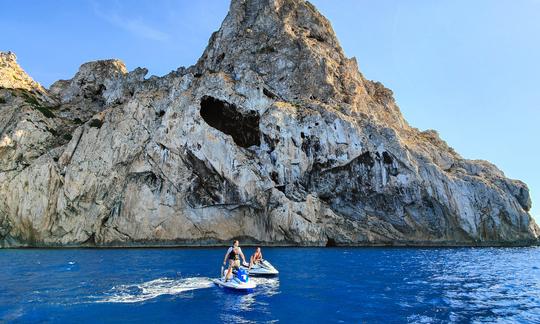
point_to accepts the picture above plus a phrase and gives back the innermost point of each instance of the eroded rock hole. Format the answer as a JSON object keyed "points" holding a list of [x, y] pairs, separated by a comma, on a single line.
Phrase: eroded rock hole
{"points": [[220, 58], [331, 242], [366, 159], [269, 94], [387, 158], [225, 117]]}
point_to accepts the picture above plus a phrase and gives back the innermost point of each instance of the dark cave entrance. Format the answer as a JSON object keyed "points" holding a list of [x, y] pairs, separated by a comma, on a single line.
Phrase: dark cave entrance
{"points": [[225, 117], [331, 242]]}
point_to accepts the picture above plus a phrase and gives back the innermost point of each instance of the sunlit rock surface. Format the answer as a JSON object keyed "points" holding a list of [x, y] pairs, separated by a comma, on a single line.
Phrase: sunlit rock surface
{"points": [[274, 137]]}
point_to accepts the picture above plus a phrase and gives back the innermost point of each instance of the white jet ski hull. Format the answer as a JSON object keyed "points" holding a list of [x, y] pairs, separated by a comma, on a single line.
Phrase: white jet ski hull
{"points": [[235, 284], [262, 269]]}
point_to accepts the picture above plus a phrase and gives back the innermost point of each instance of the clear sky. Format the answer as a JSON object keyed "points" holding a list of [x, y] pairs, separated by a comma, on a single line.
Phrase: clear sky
{"points": [[469, 69]]}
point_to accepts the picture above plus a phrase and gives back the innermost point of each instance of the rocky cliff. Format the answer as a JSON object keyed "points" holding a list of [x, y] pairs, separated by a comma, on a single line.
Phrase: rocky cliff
{"points": [[274, 136]]}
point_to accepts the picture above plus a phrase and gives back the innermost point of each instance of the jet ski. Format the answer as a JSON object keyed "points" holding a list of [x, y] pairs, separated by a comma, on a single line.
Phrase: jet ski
{"points": [[238, 281], [263, 268]]}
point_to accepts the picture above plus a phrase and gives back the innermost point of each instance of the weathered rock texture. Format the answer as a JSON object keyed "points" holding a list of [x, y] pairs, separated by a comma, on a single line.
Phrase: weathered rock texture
{"points": [[274, 136]]}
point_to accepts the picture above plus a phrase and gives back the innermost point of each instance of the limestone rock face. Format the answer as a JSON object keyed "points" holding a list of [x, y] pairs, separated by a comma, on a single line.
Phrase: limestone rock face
{"points": [[13, 77], [273, 137]]}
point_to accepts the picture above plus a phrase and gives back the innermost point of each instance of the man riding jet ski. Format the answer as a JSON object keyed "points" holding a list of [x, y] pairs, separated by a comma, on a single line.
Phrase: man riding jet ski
{"points": [[233, 254], [240, 280]]}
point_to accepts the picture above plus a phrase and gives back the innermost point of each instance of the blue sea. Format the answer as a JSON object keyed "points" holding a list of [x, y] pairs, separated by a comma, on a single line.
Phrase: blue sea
{"points": [[315, 285]]}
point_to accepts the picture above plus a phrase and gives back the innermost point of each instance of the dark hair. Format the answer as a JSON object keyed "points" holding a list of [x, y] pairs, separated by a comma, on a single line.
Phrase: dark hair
{"points": [[235, 242]]}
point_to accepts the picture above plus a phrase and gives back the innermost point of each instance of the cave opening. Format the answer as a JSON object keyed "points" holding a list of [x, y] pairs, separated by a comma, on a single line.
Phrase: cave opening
{"points": [[387, 158], [331, 242], [225, 117]]}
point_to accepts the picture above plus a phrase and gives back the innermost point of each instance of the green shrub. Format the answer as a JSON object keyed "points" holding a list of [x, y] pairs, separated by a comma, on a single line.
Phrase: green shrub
{"points": [[67, 137], [45, 111], [52, 131], [29, 98], [96, 123], [2, 100], [34, 102]]}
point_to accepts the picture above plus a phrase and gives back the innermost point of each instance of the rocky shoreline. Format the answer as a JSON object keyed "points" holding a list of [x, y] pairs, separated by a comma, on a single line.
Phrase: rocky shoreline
{"points": [[202, 245]]}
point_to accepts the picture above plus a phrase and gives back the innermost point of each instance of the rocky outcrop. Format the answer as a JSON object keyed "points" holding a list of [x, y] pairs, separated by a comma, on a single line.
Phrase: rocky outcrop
{"points": [[274, 136], [13, 77]]}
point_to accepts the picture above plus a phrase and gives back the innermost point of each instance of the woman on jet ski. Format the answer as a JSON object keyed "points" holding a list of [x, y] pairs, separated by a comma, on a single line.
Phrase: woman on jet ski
{"points": [[233, 254], [255, 258]]}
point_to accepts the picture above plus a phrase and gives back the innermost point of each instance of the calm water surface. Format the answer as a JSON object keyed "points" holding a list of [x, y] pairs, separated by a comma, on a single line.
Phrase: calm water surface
{"points": [[379, 285]]}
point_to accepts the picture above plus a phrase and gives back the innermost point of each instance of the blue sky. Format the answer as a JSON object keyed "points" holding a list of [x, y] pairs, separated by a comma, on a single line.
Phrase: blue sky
{"points": [[469, 69]]}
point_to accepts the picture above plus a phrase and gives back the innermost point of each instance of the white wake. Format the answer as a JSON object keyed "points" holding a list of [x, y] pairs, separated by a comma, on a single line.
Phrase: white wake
{"points": [[137, 293]]}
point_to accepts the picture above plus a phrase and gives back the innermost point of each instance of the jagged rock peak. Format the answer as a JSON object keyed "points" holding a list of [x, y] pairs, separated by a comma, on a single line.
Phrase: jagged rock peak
{"points": [[12, 76], [290, 45], [90, 80], [101, 69]]}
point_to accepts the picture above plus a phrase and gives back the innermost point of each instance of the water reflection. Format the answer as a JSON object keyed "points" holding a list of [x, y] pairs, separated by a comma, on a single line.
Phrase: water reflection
{"points": [[237, 306], [479, 283]]}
